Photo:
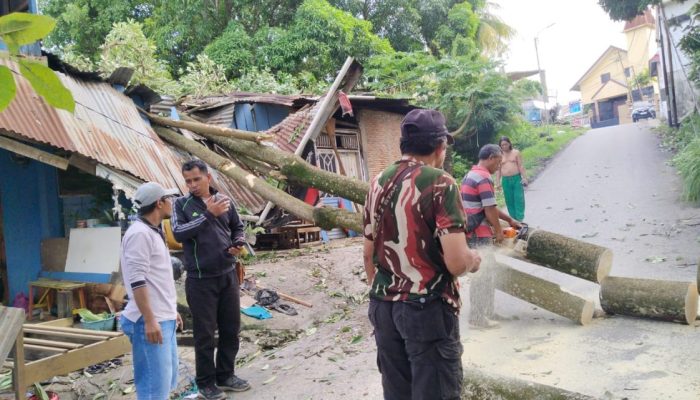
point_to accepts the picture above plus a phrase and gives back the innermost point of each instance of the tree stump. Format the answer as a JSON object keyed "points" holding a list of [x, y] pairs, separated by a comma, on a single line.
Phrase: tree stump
{"points": [[568, 255], [544, 294], [649, 298], [481, 386]]}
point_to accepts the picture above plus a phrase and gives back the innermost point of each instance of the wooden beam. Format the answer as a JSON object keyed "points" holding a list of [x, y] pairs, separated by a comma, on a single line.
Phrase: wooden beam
{"points": [[11, 320], [61, 364], [65, 322], [18, 370], [33, 153], [83, 163], [35, 347], [52, 343], [66, 335], [73, 330]]}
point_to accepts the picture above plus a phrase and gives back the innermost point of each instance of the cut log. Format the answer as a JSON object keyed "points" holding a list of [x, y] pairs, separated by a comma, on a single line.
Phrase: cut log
{"points": [[568, 255], [544, 294], [650, 298], [479, 385]]}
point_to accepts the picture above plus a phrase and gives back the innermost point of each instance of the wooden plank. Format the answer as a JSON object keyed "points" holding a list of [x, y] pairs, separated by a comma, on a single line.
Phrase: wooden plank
{"points": [[35, 347], [61, 364], [53, 284], [33, 153], [54, 252], [66, 322], [66, 335], [11, 320], [52, 343], [74, 330], [18, 370]]}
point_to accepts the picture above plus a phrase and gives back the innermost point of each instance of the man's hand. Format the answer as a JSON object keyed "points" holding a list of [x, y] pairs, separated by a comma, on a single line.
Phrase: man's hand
{"points": [[499, 235], [524, 182], [477, 261], [153, 332], [515, 224], [218, 205], [179, 324], [235, 250]]}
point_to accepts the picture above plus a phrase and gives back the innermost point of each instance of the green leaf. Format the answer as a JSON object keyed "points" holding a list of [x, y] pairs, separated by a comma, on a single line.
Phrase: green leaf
{"points": [[46, 83], [11, 26], [40, 392], [8, 89], [37, 27]]}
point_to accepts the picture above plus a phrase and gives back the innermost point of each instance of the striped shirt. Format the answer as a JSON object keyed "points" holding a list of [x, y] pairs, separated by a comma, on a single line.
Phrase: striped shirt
{"points": [[477, 193]]}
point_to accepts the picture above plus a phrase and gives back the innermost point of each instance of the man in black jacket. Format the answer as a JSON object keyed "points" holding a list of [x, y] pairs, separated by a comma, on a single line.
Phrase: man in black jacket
{"points": [[212, 235]]}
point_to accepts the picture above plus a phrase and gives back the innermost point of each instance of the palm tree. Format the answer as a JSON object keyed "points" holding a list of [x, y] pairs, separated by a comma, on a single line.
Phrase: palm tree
{"points": [[493, 34]]}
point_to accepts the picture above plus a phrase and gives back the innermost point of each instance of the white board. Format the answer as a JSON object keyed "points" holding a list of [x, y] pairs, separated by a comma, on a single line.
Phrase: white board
{"points": [[94, 250]]}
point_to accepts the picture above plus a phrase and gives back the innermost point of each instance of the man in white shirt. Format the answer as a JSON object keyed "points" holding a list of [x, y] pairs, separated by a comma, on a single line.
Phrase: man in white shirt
{"points": [[150, 317]]}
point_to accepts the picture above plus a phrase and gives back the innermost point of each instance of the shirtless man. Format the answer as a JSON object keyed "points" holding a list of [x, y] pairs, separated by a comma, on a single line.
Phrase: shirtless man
{"points": [[511, 176]]}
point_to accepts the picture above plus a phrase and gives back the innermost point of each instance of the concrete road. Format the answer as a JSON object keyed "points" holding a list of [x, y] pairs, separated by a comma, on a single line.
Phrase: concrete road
{"points": [[613, 187]]}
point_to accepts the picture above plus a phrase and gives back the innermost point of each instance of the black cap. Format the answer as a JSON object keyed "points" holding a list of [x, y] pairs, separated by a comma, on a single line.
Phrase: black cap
{"points": [[425, 123]]}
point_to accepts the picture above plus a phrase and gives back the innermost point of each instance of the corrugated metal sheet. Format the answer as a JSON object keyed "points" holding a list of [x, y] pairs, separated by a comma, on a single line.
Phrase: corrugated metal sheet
{"points": [[211, 102], [105, 127]]}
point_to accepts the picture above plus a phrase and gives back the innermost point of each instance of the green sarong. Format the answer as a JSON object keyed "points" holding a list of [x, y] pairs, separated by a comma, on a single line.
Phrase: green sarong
{"points": [[515, 196]]}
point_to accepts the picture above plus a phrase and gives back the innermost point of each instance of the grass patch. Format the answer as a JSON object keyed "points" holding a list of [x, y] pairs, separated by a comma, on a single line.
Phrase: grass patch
{"points": [[685, 142]]}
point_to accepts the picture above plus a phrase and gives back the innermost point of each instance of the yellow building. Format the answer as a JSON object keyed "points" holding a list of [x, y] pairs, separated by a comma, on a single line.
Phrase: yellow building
{"points": [[608, 88]]}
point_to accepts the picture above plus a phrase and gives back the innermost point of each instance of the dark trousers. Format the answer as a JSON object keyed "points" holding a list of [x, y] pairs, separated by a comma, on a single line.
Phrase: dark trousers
{"points": [[418, 350], [215, 305]]}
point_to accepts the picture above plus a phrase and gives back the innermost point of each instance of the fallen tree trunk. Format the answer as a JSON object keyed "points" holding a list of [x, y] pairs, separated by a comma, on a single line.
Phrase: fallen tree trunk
{"points": [[206, 129], [568, 255], [650, 298], [482, 386], [326, 218], [544, 294], [296, 170]]}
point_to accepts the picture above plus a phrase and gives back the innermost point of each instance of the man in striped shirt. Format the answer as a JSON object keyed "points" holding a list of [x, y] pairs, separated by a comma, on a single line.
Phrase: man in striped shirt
{"points": [[483, 227]]}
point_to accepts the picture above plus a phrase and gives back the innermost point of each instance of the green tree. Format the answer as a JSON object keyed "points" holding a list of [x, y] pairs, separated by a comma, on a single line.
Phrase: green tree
{"points": [[232, 50], [84, 24], [625, 10], [204, 77], [127, 46], [524, 89], [318, 41], [493, 34], [457, 36]]}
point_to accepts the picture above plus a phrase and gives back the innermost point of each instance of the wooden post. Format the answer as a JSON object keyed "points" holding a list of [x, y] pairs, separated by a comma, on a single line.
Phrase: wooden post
{"points": [[650, 298], [18, 370]]}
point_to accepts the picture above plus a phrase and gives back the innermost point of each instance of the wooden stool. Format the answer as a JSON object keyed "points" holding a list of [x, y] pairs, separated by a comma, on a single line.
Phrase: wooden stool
{"points": [[50, 288]]}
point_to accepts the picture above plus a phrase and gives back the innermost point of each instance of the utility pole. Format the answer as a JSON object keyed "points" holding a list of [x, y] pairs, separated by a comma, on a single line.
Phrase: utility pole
{"points": [[543, 79]]}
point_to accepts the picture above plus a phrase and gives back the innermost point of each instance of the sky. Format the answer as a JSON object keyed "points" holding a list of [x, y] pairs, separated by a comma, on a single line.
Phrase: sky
{"points": [[580, 34]]}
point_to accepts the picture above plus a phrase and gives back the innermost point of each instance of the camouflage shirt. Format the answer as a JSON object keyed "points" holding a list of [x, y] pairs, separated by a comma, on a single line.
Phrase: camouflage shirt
{"points": [[407, 252]]}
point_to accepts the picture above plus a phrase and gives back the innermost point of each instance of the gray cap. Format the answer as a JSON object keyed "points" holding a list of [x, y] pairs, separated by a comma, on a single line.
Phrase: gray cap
{"points": [[150, 192]]}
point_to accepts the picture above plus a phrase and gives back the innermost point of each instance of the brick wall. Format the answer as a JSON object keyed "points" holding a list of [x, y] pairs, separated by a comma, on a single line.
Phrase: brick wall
{"points": [[380, 131]]}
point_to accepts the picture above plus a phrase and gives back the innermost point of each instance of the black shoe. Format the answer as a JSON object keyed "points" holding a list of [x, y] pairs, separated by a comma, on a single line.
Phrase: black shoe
{"points": [[234, 384], [211, 393]]}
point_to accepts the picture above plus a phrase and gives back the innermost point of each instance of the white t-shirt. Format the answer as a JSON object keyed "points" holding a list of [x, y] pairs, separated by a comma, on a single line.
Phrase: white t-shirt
{"points": [[145, 261]]}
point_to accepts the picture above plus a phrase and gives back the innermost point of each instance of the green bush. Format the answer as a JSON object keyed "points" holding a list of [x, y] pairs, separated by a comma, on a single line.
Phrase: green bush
{"points": [[686, 140]]}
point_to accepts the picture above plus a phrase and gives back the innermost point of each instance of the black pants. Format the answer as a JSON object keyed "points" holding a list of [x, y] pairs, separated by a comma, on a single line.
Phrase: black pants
{"points": [[418, 350], [215, 305]]}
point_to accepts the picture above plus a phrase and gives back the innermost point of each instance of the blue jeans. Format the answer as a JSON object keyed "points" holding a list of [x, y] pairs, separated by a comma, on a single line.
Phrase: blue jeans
{"points": [[155, 365]]}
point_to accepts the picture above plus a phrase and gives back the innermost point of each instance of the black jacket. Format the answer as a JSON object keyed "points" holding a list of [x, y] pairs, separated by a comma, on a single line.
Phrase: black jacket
{"points": [[206, 238]]}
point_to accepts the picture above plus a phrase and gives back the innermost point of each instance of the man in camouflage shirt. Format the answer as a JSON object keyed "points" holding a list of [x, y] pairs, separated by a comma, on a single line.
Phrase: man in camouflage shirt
{"points": [[415, 248]]}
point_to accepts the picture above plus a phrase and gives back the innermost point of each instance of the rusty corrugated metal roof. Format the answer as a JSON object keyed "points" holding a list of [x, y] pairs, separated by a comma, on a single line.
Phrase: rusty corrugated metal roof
{"points": [[211, 102], [106, 127]]}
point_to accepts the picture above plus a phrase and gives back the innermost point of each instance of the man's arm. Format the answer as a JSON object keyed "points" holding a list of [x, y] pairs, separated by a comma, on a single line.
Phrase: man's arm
{"points": [[459, 259], [492, 215], [368, 257], [183, 228], [153, 331], [137, 254], [236, 225]]}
